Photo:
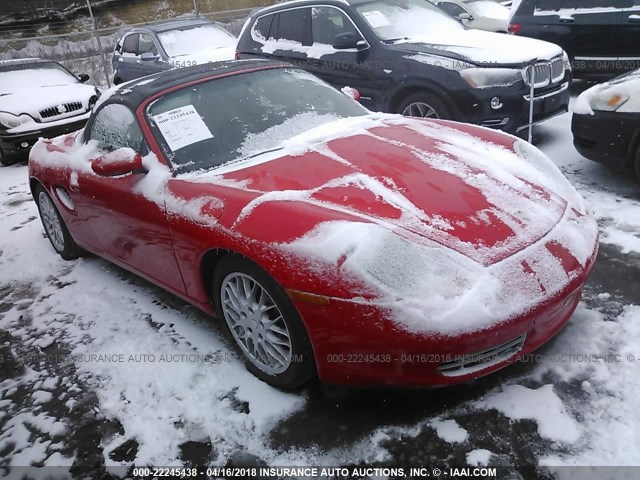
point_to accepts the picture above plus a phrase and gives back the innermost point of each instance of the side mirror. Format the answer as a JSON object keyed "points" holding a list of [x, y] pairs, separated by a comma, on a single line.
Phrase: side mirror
{"points": [[83, 77], [117, 163], [466, 17], [348, 41], [149, 57], [351, 92]]}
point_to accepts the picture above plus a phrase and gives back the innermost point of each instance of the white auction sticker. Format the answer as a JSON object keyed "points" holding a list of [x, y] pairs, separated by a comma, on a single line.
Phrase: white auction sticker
{"points": [[376, 19], [182, 126]]}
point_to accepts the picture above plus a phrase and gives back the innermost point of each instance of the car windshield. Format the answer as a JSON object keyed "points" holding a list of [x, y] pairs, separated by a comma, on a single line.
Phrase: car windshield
{"points": [[487, 8], [406, 19], [15, 77], [188, 40], [222, 120]]}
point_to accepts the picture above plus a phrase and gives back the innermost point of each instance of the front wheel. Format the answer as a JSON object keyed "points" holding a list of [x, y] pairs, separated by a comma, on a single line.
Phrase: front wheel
{"points": [[54, 226], [424, 105], [6, 160], [264, 325]]}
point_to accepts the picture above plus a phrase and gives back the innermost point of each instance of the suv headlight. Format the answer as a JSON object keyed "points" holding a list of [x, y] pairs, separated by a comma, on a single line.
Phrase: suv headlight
{"points": [[9, 120], [491, 77], [566, 61]]}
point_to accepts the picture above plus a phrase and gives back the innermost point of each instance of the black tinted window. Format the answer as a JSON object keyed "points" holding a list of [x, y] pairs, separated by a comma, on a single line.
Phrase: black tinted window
{"points": [[263, 25], [116, 127], [562, 4], [295, 25], [219, 121], [328, 23], [131, 44]]}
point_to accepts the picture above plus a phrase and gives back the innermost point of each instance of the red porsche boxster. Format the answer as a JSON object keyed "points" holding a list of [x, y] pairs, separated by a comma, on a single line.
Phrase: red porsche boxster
{"points": [[362, 248]]}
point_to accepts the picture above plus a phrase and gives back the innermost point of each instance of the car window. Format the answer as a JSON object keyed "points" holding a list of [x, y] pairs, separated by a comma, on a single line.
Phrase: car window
{"points": [[549, 5], [263, 25], [227, 119], [15, 77], [130, 45], [115, 127], [147, 45], [451, 8], [295, 25], [328, 22]]}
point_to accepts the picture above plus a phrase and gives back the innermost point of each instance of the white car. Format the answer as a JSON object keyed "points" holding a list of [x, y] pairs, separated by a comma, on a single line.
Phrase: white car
{"points": [[478, 14], [39, 98]]}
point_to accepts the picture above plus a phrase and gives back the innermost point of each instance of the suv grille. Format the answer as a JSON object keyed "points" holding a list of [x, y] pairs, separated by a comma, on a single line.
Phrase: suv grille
{"points": [[51, 112], [545, 73], [472, 362]]}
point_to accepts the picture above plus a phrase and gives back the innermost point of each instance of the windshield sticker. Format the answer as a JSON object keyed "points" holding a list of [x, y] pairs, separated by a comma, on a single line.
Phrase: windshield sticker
{"points": [[376, 19], [182, 127]]}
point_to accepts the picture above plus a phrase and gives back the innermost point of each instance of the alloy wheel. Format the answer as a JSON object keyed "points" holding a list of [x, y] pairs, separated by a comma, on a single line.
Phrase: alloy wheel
{"points": [[51, 221], [420, 109]]}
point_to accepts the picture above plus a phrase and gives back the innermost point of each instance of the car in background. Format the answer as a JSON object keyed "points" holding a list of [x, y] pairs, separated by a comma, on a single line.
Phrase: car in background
{"points": [[364, 248], [606, 122], [39, 98], [409, 57], [479, 14], [600, 36], [177, 43]]}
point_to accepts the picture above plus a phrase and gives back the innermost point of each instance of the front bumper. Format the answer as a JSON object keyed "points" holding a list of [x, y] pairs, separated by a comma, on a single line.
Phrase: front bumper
{"points": [[20, 143], [606, 137], [513, 114]]}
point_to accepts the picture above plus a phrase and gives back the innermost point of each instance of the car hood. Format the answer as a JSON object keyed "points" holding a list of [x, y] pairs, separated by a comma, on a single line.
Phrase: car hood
{"points": [[465, 190], [208, 55], [32, 100], [482, 48]]}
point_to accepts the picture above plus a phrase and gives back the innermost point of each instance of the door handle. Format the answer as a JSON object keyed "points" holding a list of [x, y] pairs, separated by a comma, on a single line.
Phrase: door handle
{"points": [[634, 18]]}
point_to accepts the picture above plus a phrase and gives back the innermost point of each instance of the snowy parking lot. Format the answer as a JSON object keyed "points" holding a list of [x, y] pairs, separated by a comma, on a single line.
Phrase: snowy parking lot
{"points": [[99, 367]]}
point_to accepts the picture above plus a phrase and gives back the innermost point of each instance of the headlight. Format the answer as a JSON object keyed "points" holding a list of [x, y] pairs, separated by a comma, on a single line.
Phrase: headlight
{"points": [[9, 120], [608, 101], [491, 77], [566, 61]]}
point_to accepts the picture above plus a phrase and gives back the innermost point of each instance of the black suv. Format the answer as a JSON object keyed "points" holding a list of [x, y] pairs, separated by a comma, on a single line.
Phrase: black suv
{"points": [[409, 57], [602, 37]]}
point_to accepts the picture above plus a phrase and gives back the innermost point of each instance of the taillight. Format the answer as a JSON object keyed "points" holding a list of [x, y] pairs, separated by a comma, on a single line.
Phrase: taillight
{"points": [[237, 54], [515, 28]]}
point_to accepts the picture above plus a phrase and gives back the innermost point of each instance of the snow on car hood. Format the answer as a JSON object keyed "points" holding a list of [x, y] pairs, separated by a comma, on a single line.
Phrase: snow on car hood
{"points": [[208, 55], [454, 229], [32, 100], [481, 47]]}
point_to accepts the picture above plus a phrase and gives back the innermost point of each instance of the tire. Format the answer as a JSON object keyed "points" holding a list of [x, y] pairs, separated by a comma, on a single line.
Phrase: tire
{"points": [[6, 160], [424, 105], [287, 364], [55, 228]]}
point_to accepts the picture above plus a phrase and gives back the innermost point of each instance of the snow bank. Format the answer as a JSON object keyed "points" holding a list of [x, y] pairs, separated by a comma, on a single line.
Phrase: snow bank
{"points": [[542, 405]]}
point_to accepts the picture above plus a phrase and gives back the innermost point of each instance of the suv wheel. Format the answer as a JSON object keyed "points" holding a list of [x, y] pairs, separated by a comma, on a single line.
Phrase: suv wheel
{"points": [[424, 105]]}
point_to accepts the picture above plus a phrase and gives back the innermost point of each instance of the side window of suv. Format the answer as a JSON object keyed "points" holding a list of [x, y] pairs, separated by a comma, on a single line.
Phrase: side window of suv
{"points": [[295, 25], [115, 127], [147, 45], [328, 23], [263, 27], [130, 45]]}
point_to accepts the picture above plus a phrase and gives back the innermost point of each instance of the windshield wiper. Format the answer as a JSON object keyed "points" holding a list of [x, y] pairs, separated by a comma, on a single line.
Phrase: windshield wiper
{"points": [[394, 40]]}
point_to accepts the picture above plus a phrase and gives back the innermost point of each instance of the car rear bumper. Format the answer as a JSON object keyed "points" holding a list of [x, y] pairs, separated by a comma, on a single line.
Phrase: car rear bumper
{"points": [[606, 137], [20, 143]]}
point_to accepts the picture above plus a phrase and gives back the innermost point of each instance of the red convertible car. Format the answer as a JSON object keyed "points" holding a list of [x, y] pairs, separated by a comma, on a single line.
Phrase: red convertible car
{"points": [[363, 248]]}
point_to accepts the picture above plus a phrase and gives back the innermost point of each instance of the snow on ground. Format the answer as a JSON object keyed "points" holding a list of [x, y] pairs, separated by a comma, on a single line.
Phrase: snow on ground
{"points": [[99, 366]]}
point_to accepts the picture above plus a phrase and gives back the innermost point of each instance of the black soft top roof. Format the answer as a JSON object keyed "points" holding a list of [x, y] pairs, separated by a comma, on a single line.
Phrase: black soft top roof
{"points": [[135, 92]]}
